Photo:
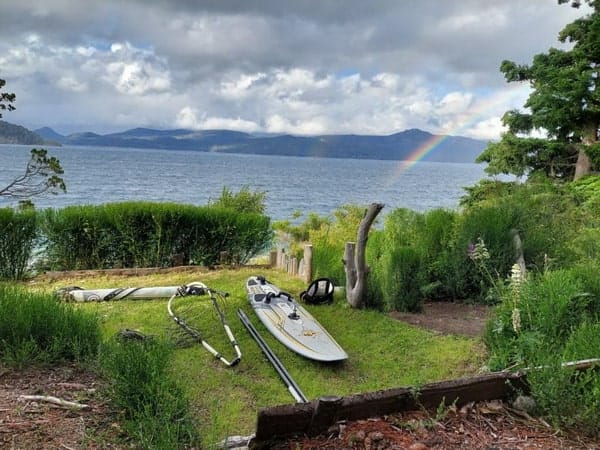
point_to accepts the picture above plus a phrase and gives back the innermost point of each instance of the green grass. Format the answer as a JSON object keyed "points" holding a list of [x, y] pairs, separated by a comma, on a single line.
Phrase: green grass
{"points": [[383, 352], [35, 328], [152, 405]]}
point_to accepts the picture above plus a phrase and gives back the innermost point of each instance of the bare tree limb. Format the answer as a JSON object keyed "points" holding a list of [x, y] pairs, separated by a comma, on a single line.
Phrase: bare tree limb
{"points": [[41, 175]]}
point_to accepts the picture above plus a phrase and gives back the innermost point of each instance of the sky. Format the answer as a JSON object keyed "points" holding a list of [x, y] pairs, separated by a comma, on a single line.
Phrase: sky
{"points": [[307, 67]]}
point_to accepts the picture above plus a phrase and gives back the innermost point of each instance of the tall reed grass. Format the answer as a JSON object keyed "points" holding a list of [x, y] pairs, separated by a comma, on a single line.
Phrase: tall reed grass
{"points": [[155, 410], [37, 328], [18, 235]]}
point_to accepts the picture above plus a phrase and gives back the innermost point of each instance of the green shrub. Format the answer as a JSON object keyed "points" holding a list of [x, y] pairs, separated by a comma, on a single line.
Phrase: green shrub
{"points": [[244, 201], [133, 227], [548, 216], [493, 224], [156, 412], [550, 308], [435, 242], [329, 238], [18, 234], [37, 328], [566, 397], [375, 249], [327, 263], [552, 318], [78, 237], [586, 189], [583, 342], [250, 234], [401, 267], [395, 259], [144, 234], [487, 190]]}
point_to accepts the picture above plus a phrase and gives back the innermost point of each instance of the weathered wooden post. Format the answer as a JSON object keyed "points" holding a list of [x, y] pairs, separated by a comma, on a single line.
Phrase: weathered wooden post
{"points": [[355, 263], [280, 258], [223, 257], [293, 270], [273, 259], [308, 255]]}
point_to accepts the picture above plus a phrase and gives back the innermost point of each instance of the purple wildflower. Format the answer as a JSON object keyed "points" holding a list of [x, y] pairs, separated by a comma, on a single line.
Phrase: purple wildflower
{"points": [[471, 250]]}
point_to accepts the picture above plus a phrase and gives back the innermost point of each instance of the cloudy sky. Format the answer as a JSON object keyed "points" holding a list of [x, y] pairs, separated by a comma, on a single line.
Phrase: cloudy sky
{"points": [[293, 66]]}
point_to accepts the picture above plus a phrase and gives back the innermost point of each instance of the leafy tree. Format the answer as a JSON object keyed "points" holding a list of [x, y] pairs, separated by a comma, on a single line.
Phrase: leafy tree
{"points": [[6, 99], [565, 103], [244, 201], [42, 173]]}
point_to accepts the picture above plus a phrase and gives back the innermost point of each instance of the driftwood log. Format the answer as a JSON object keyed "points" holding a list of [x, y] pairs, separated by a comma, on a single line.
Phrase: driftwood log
{"points": [[355, 264]]}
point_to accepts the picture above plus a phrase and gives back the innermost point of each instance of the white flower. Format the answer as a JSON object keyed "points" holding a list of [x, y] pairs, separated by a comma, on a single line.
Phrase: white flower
{"points": [[516, 320]]}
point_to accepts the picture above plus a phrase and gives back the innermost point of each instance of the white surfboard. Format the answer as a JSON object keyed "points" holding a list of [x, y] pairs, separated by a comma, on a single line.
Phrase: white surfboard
{"points": [[290, 323]]}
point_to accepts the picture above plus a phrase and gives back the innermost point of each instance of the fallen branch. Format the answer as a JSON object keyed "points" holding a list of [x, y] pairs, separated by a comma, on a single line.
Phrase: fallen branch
{"points": [[54, 400]]}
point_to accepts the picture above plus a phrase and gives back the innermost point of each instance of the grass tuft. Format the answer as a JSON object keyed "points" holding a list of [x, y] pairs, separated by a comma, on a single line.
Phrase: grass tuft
{"points": [[155, 410], [36, 328]]}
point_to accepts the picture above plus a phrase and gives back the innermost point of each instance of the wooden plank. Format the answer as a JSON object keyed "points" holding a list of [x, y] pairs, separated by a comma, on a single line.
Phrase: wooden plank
{"points": [[314, 417], [283, 420], [317, 416]]}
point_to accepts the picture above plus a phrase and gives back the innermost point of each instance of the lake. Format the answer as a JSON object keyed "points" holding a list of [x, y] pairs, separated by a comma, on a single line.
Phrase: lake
{"points": [[96, 175]]}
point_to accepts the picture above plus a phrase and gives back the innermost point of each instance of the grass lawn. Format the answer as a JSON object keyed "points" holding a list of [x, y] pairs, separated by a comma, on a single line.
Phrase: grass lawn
{"points": [[383, 352]]}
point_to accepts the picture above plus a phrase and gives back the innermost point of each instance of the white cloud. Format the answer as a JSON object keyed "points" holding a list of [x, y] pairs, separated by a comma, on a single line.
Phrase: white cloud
{"points": [[134, 71], [225, 123], [490, 129], [187, 117], [240, 86], [279, 124], [455, 103], [491, 17], [70, 83], [137, 77]]}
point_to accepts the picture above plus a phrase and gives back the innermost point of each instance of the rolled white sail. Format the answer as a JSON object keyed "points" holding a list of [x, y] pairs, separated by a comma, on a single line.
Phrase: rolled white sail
{"points": [[132, 293]]}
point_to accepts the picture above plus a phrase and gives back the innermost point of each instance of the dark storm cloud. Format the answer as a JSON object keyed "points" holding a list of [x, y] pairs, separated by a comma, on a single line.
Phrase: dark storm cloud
{"points": [[329, 64]]}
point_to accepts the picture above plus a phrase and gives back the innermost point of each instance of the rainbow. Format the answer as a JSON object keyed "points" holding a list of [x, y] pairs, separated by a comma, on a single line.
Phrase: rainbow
{"points": [[472, 116]]}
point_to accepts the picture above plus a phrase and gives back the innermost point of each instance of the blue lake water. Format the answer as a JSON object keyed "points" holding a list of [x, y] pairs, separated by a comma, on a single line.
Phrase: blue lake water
{"points": [[96, 175]]}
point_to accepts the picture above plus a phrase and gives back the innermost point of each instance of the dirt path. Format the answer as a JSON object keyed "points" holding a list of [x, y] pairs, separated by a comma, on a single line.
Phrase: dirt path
{"points": [[36, 424], [449, 318]]}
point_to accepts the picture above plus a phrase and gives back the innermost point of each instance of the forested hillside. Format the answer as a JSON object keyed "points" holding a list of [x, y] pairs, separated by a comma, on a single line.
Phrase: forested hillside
{"points": [[16, 134]]}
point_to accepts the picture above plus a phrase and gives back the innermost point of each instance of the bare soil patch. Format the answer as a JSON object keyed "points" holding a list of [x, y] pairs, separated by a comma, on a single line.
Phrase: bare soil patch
{"points": [[449, 318], [37, 424]]}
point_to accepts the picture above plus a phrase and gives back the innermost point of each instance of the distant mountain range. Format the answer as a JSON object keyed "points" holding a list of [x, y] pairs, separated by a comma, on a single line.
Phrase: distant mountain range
{"points": [[404, 145], [16, 134]]}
